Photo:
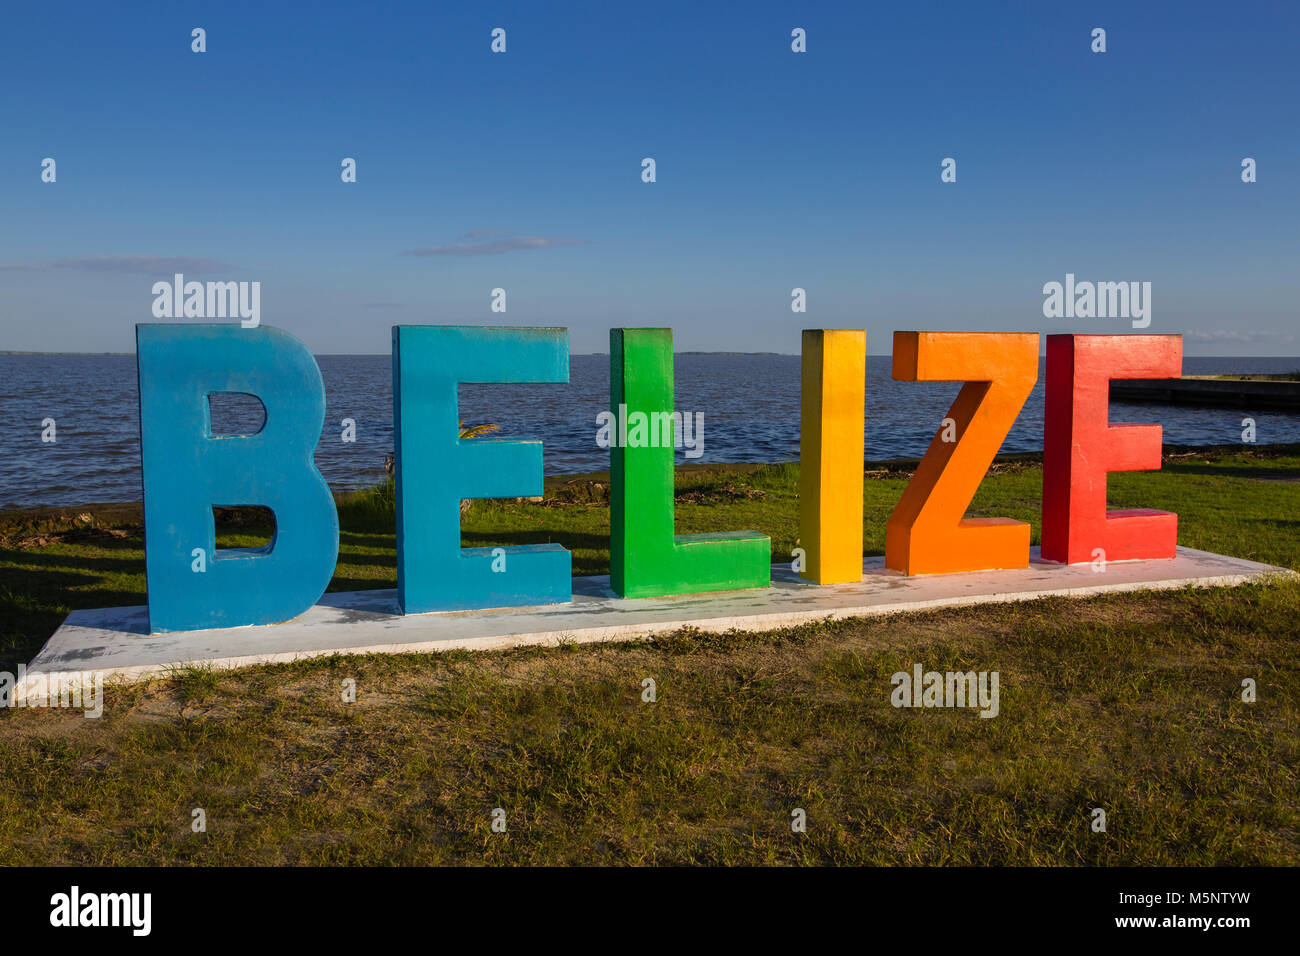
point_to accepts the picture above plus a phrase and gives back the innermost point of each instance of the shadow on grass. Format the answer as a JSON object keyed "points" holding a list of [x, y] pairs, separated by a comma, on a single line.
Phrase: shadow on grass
{"points": [[1221, 470], [55, 560]]}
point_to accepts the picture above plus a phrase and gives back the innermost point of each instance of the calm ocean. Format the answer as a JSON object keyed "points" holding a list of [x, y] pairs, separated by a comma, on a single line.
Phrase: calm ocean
{"points": [[750, 405]]}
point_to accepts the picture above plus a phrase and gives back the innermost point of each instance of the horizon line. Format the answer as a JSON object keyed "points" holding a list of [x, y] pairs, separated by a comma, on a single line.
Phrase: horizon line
{"points": [[580, 354]]}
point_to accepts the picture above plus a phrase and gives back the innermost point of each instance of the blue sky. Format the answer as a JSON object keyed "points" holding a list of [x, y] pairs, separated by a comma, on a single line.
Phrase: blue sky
{"points": [[774, 169]]}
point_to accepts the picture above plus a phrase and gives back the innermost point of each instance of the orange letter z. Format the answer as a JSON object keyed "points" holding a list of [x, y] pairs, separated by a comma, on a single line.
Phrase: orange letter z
{"points": [[927, 534]]}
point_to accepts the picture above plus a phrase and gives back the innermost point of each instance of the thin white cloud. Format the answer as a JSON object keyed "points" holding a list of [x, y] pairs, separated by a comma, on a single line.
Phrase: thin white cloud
{"points": [[493, 247], [126, 265], [1240, 335]]}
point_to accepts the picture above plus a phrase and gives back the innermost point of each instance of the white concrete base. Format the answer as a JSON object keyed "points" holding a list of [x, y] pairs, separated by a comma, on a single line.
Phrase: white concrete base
{"points": [[115, 641]]}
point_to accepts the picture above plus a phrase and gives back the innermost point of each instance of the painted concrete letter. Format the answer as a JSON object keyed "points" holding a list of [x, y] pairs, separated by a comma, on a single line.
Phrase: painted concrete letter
{"points": [[927, 534], [831, 450], [187, 470], [435, 469], [1080, 446], [647, 559]]}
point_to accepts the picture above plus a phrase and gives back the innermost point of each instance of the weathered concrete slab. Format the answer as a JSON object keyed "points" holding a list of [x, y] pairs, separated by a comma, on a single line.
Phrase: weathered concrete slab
{"points": [[114, 641]]}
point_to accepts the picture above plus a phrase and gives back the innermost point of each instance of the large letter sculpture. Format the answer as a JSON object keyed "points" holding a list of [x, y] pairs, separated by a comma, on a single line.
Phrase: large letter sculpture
{"points": [[831, 451], [647, 559], [435, 469], [187, 470], [1080, 446], [926, 534]]}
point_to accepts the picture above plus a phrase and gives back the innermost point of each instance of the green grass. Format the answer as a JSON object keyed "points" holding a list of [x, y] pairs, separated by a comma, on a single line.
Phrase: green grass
{"points": [[1127, 702]]}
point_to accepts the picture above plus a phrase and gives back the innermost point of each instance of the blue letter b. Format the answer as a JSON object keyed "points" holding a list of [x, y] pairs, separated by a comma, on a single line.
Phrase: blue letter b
{"points": [[187, 470]]}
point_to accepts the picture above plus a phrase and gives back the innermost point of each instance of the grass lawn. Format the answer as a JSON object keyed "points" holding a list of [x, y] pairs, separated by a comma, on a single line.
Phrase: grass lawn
{"points": [[1131, 703]]}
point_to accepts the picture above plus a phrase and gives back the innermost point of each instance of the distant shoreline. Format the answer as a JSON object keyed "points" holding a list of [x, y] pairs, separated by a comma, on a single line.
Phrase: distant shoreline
{"points": [[1243, 358], [387, 354]]}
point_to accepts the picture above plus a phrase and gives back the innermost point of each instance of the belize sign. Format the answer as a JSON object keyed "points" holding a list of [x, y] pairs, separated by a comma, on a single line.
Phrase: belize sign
{"points": [[188, 470]]}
